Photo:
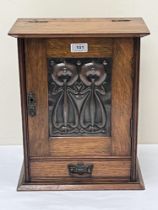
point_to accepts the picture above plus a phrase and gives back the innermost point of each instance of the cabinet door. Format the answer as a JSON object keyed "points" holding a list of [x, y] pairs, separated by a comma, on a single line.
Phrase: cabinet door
{"points": [[83, 103]]}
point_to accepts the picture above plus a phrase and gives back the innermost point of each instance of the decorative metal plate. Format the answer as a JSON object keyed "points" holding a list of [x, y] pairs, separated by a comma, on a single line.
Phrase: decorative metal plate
{"points": [[31, 104], [79, 94], [80, 170]]}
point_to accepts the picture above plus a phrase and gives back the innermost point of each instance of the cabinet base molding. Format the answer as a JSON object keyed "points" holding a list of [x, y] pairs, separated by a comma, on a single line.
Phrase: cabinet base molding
{"points": [[26, 186]]}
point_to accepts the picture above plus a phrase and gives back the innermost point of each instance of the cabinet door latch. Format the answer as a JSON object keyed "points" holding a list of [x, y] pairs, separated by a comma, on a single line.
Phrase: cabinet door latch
{"points": [[31, 104]]}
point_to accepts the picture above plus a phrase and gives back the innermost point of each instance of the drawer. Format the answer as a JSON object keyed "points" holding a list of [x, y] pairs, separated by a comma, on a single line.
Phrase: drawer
{"points": [[83, 169]]}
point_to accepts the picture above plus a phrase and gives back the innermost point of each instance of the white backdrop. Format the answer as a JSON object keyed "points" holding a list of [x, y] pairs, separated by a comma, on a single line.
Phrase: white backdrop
{"points": [[10, 117]]}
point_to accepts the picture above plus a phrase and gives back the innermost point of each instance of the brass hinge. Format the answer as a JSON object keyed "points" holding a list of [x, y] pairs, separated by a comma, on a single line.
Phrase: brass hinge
{"points": [[131, 127], [132, 64]]}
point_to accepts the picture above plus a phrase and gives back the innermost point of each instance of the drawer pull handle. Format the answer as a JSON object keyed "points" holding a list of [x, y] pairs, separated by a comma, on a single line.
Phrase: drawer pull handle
{"points": [[80, 169]]}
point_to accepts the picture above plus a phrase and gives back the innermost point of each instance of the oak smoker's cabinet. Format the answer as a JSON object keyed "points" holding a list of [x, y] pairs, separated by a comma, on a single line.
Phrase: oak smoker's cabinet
{"points": [[79, 95]]}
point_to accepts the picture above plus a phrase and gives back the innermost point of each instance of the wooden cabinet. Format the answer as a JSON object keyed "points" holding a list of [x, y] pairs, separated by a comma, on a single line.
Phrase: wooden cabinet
{"points": [[79, 95]]}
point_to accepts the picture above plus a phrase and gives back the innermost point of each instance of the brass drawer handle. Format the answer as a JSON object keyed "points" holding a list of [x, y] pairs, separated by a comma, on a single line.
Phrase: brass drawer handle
{"points": [[80, 170]]}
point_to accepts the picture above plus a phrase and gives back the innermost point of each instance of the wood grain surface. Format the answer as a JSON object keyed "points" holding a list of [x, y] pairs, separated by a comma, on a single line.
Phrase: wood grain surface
{"points": [[36, 80], [120, 140], [96, 47], [103, 27], [106, 185], [122, 95], [113, 157], [101, 168]]}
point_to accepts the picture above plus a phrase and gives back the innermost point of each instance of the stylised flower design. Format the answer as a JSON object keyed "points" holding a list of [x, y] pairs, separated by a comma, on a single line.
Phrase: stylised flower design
{"points": [[64, 73], [78, 96], [92, 73]]}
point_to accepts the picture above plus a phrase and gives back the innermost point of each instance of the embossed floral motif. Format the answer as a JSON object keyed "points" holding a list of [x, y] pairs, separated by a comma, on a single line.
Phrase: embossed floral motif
{"points": [[79, 97], [93, 75], [64, 75]]}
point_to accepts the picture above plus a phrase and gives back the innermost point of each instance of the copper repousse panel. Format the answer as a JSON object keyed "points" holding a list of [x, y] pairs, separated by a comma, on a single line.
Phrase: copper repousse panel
{"points": [[79, 95]]}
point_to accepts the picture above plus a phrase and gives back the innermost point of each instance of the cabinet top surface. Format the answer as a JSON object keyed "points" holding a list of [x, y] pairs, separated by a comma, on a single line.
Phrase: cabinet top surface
{"points": [[78, 27]]}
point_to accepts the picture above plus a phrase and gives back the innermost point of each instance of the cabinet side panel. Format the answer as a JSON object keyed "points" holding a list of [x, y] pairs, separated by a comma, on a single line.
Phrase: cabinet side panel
{"points": [[122, 96], [135, 107], [22, 77]]}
